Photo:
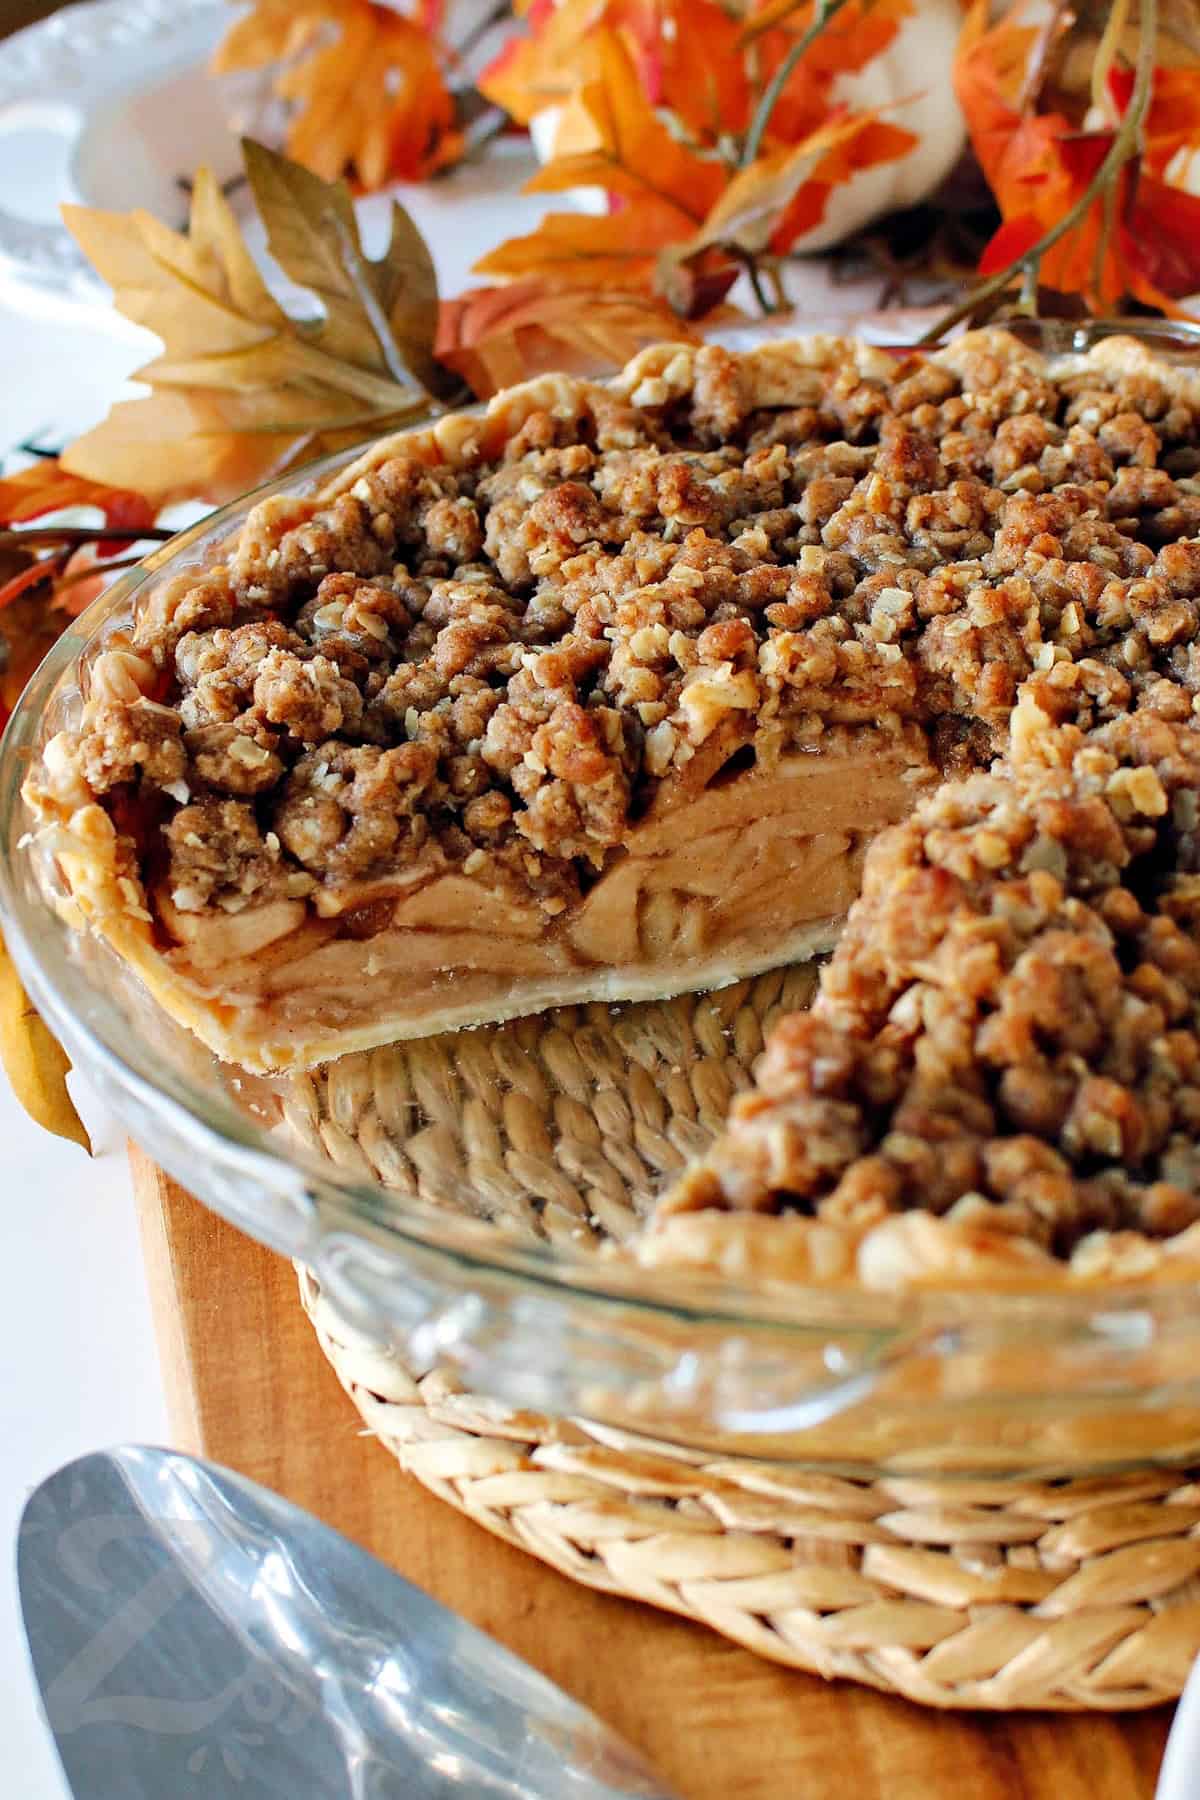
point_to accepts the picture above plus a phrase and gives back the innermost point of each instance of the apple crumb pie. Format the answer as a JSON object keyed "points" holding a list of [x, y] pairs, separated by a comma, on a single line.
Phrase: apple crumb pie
{"points": [[604, 693]]}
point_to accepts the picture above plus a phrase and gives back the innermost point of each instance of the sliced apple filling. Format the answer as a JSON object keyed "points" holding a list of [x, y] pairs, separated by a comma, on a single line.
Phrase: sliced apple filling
{"points": [[758, 867]]}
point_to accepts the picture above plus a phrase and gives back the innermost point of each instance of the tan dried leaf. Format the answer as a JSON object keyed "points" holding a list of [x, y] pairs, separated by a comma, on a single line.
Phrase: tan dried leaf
{"points": [[34, 1061], [241, 390]]}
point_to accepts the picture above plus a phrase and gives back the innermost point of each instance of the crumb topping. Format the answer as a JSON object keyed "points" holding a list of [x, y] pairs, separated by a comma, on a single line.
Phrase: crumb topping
{"points": [[1008, 1033], [506, 658], [492, 663]]}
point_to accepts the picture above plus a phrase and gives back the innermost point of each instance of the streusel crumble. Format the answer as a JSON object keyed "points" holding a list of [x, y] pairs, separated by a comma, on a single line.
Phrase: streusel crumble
{"points": [[607, 691]]}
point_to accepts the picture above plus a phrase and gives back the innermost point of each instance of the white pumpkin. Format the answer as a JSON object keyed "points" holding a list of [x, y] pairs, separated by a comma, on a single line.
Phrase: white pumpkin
{"points": [[911, 83]]}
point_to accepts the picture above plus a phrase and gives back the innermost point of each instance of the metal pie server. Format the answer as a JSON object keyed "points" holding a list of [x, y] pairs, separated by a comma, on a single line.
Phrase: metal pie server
{"points": [[194, 1634]]}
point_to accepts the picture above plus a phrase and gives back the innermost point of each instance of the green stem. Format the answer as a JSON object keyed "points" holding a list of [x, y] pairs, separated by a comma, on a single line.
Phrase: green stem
{"points": [[478, 144], [1105, 239], [1122, 148], [826, 10], [764, 305]]}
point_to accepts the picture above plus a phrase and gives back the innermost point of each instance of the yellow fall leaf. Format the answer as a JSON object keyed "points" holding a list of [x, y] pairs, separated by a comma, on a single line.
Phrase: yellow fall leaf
{"points": [[242, 390], [34, 1061]]}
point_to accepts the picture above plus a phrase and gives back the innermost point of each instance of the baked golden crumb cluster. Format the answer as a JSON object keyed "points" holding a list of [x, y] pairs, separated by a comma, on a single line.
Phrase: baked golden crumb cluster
{"points": [[494, 664], [1007, 1032]]}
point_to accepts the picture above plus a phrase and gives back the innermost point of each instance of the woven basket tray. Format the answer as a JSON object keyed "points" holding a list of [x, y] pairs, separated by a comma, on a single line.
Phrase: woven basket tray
{"points": [[997, 1592]]}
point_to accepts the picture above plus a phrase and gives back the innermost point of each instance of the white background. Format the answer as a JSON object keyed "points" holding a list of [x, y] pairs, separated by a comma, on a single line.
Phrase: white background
{"points": [[78, 1368]]}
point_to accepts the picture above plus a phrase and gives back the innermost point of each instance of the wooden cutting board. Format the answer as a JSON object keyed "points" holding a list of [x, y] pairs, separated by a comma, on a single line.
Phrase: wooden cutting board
{"points": [[248, 1386]]}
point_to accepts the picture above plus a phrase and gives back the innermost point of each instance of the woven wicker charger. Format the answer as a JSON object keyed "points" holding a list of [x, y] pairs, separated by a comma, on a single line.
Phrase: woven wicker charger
{"points": [[1005, 1593]]}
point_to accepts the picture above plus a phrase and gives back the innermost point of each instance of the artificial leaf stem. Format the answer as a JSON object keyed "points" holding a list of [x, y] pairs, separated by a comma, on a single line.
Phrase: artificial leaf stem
{"points": [[73, 577], [754, 277], [364, 288], [494, 16], [1118, 17], [826, 10], [1122, 148]]}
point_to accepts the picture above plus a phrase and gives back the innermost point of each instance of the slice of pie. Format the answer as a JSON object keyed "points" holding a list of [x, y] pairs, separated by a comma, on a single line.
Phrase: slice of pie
{"points": [[603, 693], [998, 1083]]}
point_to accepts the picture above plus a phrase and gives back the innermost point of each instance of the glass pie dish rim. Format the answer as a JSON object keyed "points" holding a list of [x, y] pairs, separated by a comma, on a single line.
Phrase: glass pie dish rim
{"points": [[369, 1243]]}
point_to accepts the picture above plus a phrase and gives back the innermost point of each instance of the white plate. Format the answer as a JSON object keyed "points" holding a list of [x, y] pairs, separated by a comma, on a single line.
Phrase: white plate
{"points": [[108, 104]]}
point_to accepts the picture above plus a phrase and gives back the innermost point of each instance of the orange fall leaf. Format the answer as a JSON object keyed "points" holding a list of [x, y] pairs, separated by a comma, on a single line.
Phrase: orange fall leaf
{"points": [[581, 251], [852, 39], [611, 137], [1039, 166], [364, 81], [46, 487], [496, 336]]}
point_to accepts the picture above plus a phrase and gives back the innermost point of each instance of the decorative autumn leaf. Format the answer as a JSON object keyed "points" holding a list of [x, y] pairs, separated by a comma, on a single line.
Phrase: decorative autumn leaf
{"points": [[48, 573], [694, 285], [540, 70], [1173, 121], [242, 390], [847, 42], [687, 54], [364, 80], [581, 251], [1096, 34], [369, 306], [1160, 240], [1141, 240], [872, 141], [496, 336], [701, 62], [668, 194], [845, 45], [46, 487], [611, 137], [690, 61], [783, 194], [34, 1061]]}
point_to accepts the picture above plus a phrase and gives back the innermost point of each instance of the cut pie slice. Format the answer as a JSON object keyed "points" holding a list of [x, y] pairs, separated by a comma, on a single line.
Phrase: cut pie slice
{"points": [[996, 1085], [603, 693]]}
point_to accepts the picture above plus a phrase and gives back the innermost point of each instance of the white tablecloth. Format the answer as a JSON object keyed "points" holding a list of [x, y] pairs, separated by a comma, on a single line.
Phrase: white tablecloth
{"points": [[78, 1368]]}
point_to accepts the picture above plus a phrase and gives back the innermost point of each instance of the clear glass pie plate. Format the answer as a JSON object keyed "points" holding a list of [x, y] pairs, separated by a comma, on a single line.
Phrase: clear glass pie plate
{"points": [[461, 1199]]}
